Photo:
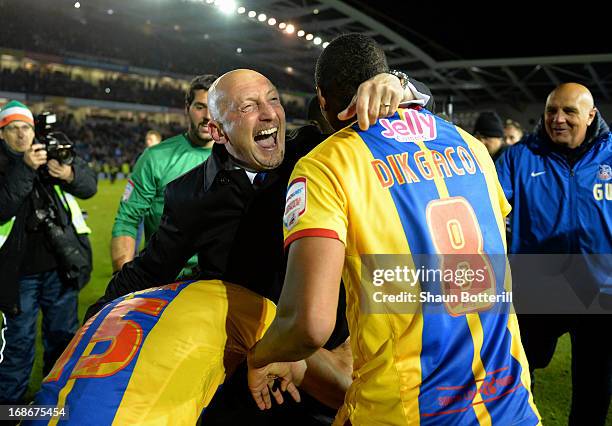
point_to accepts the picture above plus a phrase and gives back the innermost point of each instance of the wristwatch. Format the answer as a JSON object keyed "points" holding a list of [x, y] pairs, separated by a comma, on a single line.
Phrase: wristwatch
{"points": [[403, 77]]}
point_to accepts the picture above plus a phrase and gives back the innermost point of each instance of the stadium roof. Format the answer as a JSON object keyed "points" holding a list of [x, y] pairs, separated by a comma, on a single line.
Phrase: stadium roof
{"points": [[458, 52]]}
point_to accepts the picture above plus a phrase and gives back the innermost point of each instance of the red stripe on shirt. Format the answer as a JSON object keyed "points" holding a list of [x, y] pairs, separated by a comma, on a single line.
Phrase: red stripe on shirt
{"points": [[313, 232]]}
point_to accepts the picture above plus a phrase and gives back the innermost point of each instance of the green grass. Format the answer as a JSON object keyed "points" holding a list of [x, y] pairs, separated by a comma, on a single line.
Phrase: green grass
{"points": [[553, 383]]}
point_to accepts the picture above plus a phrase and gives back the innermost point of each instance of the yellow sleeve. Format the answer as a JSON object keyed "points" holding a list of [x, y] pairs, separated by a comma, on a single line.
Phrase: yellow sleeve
{"points": [[315, 205], [489, 166], [503, 202]]}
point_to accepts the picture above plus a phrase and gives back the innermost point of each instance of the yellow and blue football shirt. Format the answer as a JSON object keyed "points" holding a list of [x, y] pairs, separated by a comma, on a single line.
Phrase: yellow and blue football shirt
{"points": [[156, 356], [416, 184]]}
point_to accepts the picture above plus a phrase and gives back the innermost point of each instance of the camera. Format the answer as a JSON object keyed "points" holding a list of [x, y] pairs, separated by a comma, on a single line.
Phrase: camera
{"points": [[57, 144], [72, 260]]}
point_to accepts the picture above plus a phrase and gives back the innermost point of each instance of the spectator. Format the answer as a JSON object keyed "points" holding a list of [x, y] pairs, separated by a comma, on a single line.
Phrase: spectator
{"points": [[490, 131], [113, 170], [152, 138], [554, 181], [513, 132]]}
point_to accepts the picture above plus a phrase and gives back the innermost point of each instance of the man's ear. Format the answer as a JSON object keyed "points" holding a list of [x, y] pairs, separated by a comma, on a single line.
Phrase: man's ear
{"points": [[591, 116], [322, 101], [216, 132]]}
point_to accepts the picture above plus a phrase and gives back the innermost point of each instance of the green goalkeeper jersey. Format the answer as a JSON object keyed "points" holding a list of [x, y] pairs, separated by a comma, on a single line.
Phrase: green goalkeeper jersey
{"points": [[143, 198]]}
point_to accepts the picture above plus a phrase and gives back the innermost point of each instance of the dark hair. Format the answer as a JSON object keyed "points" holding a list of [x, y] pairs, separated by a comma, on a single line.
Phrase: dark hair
{"points": [[348, 61], [200, 82]]}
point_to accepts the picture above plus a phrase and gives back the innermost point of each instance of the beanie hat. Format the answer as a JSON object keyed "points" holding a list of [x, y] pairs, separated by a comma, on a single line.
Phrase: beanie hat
{"points": [[15, 111], [489, 124]]}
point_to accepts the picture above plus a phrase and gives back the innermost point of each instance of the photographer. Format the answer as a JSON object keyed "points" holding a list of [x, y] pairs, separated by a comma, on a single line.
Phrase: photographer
{"points": [[45, 257]]}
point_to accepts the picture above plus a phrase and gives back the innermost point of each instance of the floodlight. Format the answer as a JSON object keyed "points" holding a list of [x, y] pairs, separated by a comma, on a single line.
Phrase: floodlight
{"points": [[226, 6]]}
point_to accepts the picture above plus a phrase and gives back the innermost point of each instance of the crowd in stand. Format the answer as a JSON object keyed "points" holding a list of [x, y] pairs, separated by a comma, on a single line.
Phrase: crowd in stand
{"points": [[110, 145], [148, 46], [122, 89], [107, 143], [42, 35]]}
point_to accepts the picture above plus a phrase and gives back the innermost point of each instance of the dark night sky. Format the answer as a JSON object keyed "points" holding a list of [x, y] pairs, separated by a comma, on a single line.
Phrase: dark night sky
{"points": [[474, 31]]}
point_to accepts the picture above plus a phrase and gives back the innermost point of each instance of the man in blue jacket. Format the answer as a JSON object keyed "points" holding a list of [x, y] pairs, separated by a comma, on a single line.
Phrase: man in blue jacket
{"points": [[559, 183]]}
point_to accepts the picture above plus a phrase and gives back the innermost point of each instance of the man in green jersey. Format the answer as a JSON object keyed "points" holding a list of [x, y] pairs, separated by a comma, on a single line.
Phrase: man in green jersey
{"points": [[143, 198]]}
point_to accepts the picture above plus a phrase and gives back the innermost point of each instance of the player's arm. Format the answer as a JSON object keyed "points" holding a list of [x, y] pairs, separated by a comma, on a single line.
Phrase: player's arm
{"points": [[328, 375], [420, 94], [381, 95], [325, 375], [306, 312], [136, 201], [315, 236], [122, 251]]}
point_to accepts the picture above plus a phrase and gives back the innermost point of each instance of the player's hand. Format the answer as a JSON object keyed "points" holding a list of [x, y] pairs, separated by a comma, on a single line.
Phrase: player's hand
{"points": [[344, 356], [262, 382], [36, 156], [60, 171], [298, 370], [376, 98]]}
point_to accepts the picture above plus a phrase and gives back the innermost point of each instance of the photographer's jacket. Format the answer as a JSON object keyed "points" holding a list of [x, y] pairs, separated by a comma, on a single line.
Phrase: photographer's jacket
{"points": [[22, 250]]}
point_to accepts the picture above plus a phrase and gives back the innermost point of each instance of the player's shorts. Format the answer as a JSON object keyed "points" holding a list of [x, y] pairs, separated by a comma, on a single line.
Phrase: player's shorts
{"points": [[156, 356]]}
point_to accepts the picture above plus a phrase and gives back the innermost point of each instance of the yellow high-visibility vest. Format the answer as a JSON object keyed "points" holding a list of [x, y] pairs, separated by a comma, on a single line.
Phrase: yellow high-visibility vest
{"points": [[69, 203]]}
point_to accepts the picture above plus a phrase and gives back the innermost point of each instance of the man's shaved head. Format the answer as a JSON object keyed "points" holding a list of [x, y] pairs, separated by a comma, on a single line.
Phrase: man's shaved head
{"points": [[217, 94], [570, 109], [248, 118], [580, 92]]}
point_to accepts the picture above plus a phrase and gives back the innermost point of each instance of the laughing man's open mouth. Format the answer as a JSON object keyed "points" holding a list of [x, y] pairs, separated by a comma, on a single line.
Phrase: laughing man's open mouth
{"points": [[266, 139]]}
